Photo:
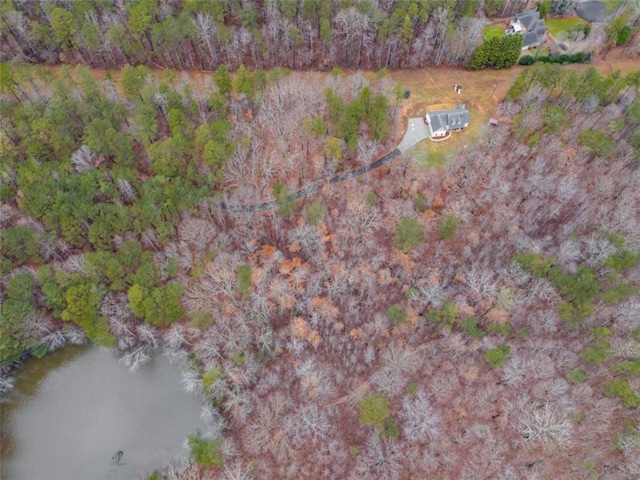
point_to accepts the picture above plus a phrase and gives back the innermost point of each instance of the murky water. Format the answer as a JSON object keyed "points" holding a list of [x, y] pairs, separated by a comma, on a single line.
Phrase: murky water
{"points": [[73, 410]]}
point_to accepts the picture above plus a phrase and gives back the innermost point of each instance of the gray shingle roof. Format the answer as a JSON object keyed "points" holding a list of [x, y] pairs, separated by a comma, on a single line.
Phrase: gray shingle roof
{"points": [[531, 39], [455, 118], [528, 19], [533, 26]]}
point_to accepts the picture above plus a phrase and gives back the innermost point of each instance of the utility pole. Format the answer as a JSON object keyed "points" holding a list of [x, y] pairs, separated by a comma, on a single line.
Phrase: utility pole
{"points": [[495, 85]]}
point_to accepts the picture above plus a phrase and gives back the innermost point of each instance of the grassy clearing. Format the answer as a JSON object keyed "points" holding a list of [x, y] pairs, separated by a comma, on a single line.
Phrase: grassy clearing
{"points": [[557, 25], [492, 31], [539, 52], [433, 89], [434, 155]]}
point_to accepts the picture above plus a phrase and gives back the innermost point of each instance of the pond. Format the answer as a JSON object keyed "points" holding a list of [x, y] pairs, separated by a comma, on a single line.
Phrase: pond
{"points": [[72, 412]]}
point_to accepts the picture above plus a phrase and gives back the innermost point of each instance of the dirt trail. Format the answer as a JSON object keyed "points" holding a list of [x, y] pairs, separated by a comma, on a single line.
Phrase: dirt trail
{"points": [[312, 188]]}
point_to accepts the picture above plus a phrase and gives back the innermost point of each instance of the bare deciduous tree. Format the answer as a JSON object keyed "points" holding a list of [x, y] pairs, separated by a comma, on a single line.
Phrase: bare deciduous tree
{"points": [[420, 421], [547, 426]]}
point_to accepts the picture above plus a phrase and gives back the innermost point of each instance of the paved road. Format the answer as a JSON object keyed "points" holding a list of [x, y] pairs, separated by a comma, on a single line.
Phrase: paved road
{"points": [[416, 132]]}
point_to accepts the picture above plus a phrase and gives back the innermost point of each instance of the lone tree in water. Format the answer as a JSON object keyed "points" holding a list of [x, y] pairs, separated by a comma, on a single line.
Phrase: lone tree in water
{"points": [[115, 460]]}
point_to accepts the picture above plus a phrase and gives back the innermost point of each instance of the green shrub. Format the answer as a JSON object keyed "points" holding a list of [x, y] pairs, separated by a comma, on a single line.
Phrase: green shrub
{"points": [[390, 428], [628, 367], [408, 234], [621, 388], [619, 293], [543, 8], [597, 353], [554, 117], [534, 140], [374, 409], [396, 314], [598, 142], [497, 357], [470, 327], [624, 260], [499, 329], [576, 376], [419, 203], [447, 225], [624, 35], [244, 281], [210, 377], [493, 7], [526, 60], [201, 320], [371, 199], [315, 213], [205, 452], [563, 59], [446, 314], [286, 200], [19, 245], [497, 52], [412, 388], [600, 332], [412, 293]]}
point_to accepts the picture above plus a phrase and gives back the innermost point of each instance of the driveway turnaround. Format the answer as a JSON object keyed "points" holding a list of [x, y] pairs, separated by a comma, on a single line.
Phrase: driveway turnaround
{"points": [[416, 132]]}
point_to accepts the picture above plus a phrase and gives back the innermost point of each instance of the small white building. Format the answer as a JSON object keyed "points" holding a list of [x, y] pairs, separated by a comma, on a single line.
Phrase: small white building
{"points": [[442, 122]]}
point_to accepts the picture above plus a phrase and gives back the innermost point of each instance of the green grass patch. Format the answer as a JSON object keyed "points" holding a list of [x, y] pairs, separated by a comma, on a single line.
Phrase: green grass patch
{"points": [[432, 159], [557, 25], [492, 31]]}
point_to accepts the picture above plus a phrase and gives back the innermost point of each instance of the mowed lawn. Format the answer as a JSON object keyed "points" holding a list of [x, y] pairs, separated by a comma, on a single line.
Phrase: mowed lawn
{"points": [[492, 31], [557, 25], [432, 89]]}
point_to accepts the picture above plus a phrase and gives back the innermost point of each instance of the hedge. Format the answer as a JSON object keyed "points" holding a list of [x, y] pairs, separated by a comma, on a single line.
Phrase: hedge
{"points": [[565, 58]]}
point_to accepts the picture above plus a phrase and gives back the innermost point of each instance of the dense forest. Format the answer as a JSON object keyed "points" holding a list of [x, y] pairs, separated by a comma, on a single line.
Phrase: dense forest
{"points": [[297, 34], [478, 320]]}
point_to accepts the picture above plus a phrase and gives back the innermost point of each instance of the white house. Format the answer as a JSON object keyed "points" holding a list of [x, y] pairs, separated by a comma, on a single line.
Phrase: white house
{"points": [[442, 122]]}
